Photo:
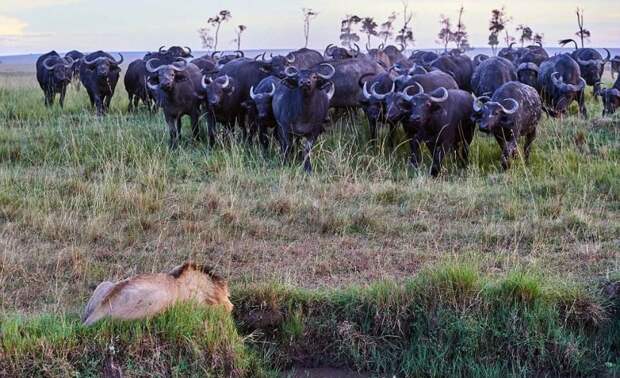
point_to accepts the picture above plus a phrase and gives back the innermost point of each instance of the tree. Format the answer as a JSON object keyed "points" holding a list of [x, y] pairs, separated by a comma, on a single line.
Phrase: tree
{"points": [[527, 34], [205, 37], [460, 36], [347, 35], [387, 28], [217, 21], [309, 14], [498, 23], [446, 35], [369, 27], [405, 34], [493, 42], [240, 29], [583, 33], [538, 38]]}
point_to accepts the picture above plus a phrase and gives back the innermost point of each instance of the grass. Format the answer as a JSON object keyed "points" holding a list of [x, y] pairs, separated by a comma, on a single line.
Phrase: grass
{"points": [[83, 199]]}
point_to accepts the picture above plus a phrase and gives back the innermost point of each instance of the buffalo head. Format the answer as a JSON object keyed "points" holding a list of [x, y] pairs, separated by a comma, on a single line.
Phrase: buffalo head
{"points": [[423, 105], [611, 100], [528, 74], [218, 89], [60, 68], [309, 80], [262, 102], [103, 65], [565, 93], [495, 114], [165, 75]]}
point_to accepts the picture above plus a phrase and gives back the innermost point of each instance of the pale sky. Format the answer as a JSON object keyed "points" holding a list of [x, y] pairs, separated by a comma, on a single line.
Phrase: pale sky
{"points": [[121, 25]]}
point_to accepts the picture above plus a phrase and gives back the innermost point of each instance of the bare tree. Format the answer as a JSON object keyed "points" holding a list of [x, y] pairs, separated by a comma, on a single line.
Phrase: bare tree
{"points": [[497, 25], [387, 28], [347, 35], [538, 38], [206, 38], [446, 35], [369, 27], [460, 36], [217, 21], [309, 14], [527, 34], [583, 33], [240, 29], [405, 34]]}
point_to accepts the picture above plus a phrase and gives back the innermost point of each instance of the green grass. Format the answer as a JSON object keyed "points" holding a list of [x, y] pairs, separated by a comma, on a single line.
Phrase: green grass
{"points": [[344, 253]]}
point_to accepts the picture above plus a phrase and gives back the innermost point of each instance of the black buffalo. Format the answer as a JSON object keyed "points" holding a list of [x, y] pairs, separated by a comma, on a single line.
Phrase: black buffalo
{"points": [[54, 75], [207, 63], [560, 83], [479, 59], [228, 90], [373, 103], [514, 110], [591, 64], [179, 91], [346, 78], [175, 51], [397, 100], [611, 98], [510, 53], [424, 58], [442, 120], [260, 108], [460, 67], [99, 73], [492, 74], [301, 59], [75, 72], [300, 106], [337, 53], [615, 65]]}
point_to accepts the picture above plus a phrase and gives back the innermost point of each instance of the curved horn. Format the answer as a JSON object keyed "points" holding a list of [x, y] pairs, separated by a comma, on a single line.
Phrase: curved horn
{"points": [[608, 56], [557, 79], [406, 94], [402, 48], [150, 68], [252, 94], [206, 81], [118, 62], [161, 50], [367, 94], [240, 54], [188, 50], [512, 44], [331, 92], [327, 50], [381, 96], [567, 41], [70, 62], [152, 87], [415, 67], [227, 82], [177, 68], [539, 44], [46, 62], [291, 59], [273, 90], [441, 99], [329, 76], [381, 46], [528, 66], [291, 71], [479, 102], [514, 108], [358, 50], [90, 62], [213, 54], [480, 58]]}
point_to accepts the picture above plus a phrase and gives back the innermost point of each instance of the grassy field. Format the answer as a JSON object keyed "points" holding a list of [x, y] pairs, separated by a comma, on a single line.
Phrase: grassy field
{"points": [[364, 264]]}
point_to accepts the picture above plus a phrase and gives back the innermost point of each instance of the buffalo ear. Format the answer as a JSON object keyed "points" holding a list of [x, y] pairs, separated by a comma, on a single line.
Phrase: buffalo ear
{"points": [[290, 82], [266, 68]]}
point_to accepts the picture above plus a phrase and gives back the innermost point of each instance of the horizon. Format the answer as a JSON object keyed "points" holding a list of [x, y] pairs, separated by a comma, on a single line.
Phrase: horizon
{"points": [[27, 28]]}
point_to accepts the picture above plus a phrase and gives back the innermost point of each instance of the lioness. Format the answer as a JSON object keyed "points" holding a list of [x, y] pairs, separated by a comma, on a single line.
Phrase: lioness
{"points": [[147, 295]]}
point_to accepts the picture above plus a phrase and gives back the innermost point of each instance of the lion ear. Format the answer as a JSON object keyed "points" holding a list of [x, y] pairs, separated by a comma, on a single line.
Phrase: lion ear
{"points": [[178, 270]]}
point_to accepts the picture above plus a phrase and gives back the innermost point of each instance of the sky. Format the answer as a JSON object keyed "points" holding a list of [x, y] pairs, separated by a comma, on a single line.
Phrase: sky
{"points": [[31, 26]]}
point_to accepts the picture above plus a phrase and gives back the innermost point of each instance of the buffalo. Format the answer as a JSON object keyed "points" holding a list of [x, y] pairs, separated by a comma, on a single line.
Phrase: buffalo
{"points": [[479, 59], [99, 73], [442, 120], [54, 75], [300, 106], [510, 53], [228, 90], [176, 51], [611, 98], [337, 53], [374, 103], [75, 72], [591, 64], [514, 110], [492, 74], [615, 65], [560, 83], [259, 107], [346, 78], [460, 67], [178, 88]]}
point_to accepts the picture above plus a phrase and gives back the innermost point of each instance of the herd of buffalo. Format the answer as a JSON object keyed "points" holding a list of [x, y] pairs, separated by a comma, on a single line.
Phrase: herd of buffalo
{"points": [[438, 99]]}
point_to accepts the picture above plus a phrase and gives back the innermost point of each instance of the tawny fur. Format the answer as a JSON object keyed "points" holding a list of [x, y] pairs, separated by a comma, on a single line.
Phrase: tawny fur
{"points": [[146, 295]]}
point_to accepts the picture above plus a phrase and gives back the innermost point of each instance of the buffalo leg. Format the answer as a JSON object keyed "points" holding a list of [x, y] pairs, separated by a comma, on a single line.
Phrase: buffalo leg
{"points": [[49, 99], [284, 138], [529, 138], [467, 136], [438, 155], [262, 137], [508, 153], [173, 130], [196, 126], [582, 104], [63, 92], [211, 128], [107, 101], [372, 126], [415, 143], [308, 143]]}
